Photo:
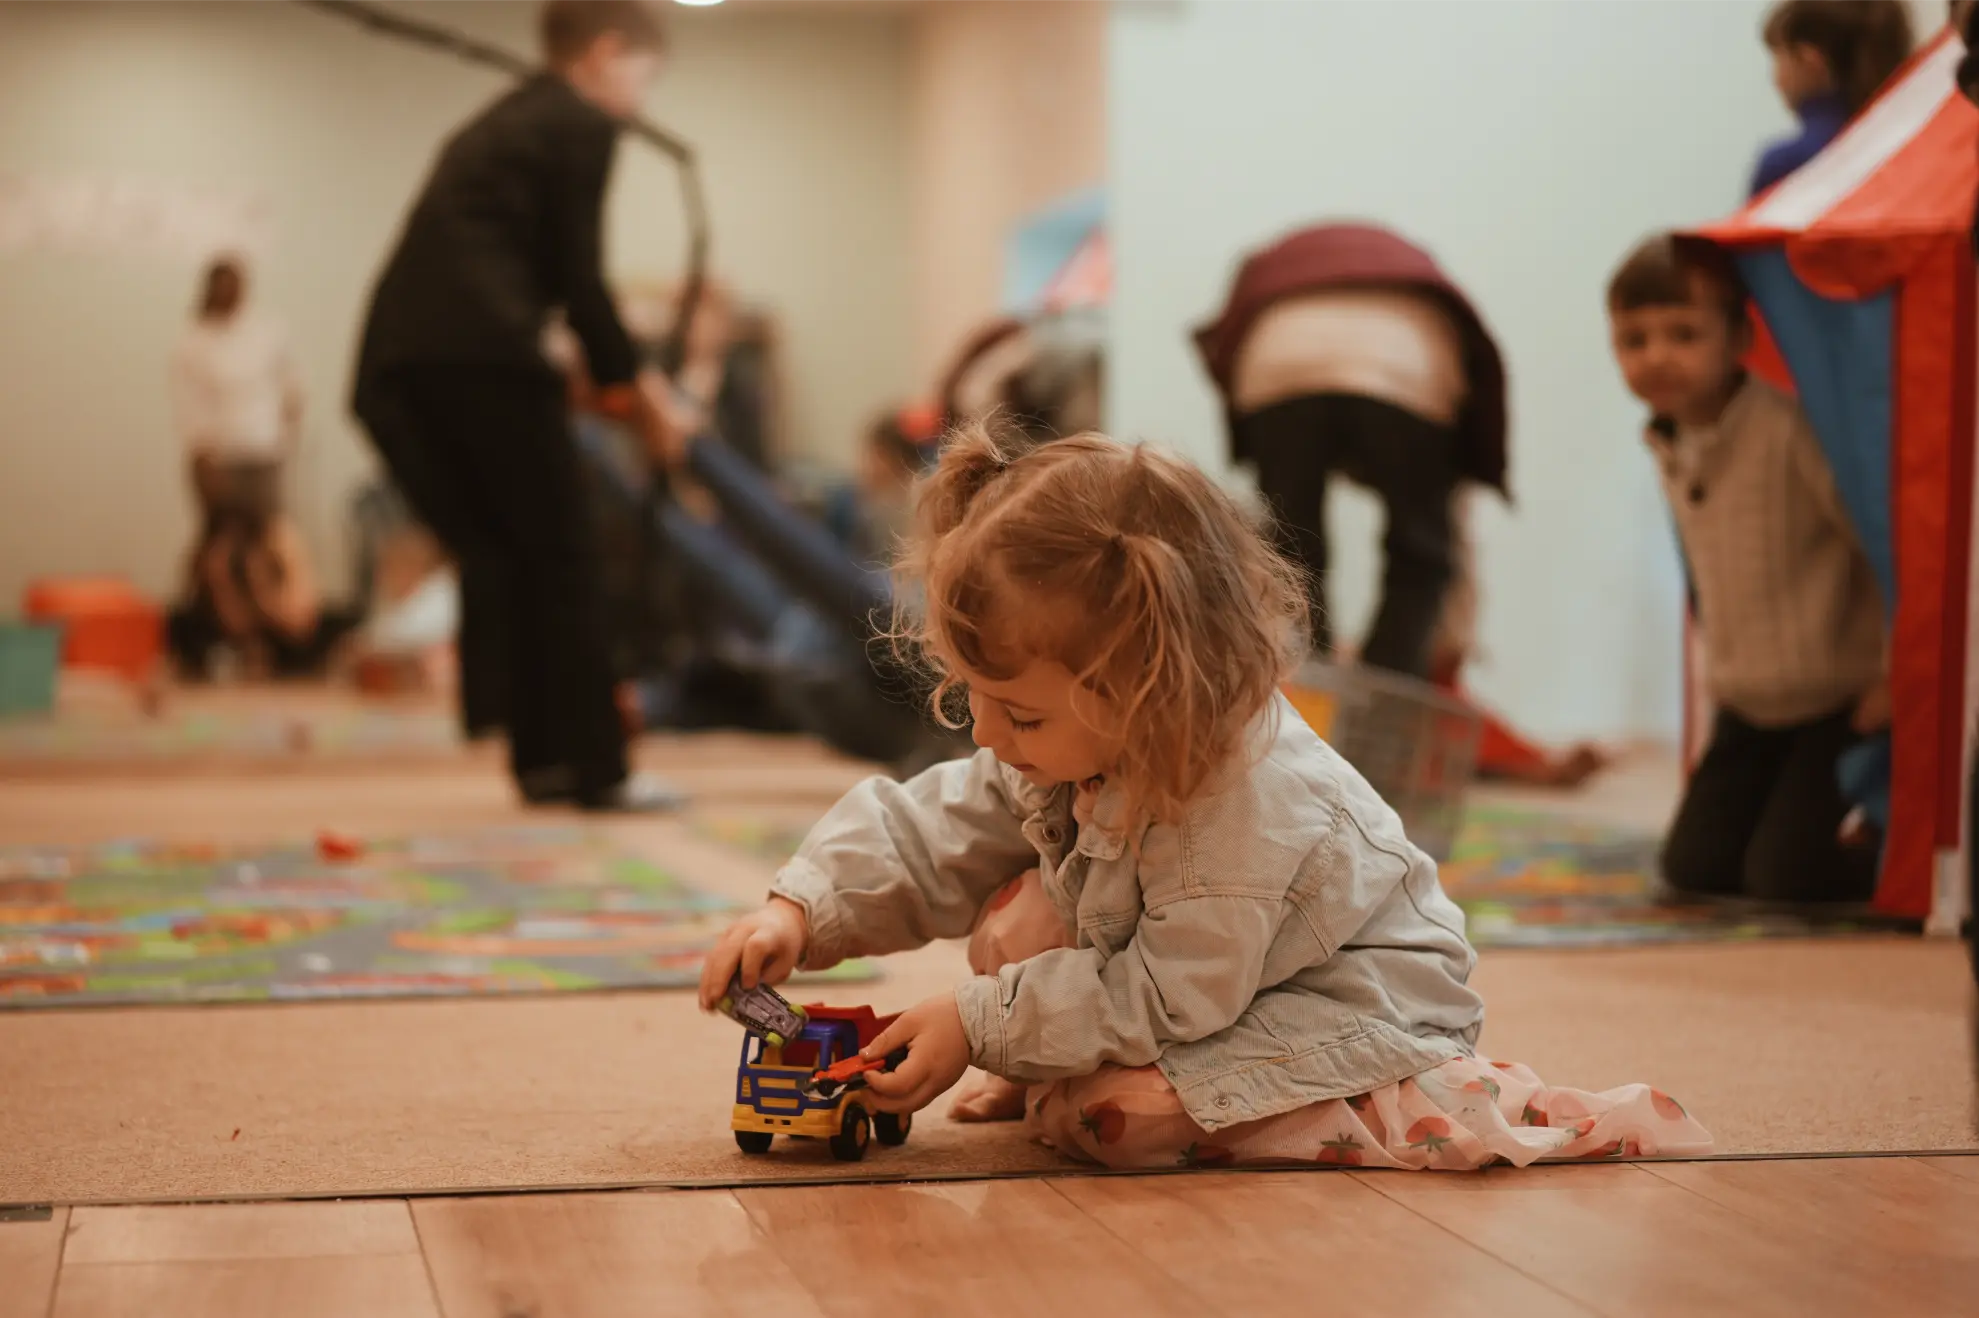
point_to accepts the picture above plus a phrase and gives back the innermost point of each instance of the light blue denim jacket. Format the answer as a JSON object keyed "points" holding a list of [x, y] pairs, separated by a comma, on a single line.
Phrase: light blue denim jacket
{"points": [[1283, 944]]}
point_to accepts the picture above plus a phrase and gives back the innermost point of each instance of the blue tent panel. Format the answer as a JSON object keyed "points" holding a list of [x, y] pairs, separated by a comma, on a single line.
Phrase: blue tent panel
{"points": [[1841, 356], [1843, 364]]}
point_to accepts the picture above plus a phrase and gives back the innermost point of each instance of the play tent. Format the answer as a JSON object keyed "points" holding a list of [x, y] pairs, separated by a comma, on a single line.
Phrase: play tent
{"points": [[1860, 265]]}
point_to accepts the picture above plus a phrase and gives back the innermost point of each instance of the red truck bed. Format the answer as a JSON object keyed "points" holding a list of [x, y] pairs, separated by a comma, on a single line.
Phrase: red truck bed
{"points": [[862, 1018]]}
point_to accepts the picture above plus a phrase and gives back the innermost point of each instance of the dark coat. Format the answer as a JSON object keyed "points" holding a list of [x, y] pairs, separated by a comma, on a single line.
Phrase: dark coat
{"points": [[505, 232]]}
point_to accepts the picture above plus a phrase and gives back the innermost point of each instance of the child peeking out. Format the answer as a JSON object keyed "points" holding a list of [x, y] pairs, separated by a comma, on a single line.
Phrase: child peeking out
{"points": [[1198, 936], [1790, 612], [1829, 59]]}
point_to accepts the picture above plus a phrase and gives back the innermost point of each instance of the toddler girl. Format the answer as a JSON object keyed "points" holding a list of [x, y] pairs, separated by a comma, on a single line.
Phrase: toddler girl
{"points": [[1199, 936], [1829, 59]]}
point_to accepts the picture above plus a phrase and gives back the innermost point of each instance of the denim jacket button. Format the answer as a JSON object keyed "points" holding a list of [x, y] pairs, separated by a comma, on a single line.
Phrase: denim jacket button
{"points": [[1051, 833], [1224, 1101]]}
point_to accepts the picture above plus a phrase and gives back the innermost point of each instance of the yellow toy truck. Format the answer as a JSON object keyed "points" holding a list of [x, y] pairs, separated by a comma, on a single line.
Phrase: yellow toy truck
{"points": [[809, 1086]]}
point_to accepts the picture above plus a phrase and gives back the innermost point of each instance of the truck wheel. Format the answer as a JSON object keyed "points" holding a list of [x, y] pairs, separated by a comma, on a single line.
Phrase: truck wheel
{"points": [[753, 1141], [855, 1131], [892, 1127]]}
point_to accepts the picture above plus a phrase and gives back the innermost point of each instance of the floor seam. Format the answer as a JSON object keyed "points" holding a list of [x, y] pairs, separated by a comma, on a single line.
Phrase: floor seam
{"points": [[425, 1262], [1534, 1278], [61, 1262], [1209, 1302]]}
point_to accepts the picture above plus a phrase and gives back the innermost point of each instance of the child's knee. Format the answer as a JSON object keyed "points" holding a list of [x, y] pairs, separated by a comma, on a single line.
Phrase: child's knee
{"points": [[1019, 922], [1698, 858], [1122, 1118]]}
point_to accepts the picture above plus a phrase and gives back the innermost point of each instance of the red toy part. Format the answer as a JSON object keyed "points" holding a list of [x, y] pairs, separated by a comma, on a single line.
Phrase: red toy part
{"points": [[338, 846], [846, 1073], [854, 1065], [106, 623]]}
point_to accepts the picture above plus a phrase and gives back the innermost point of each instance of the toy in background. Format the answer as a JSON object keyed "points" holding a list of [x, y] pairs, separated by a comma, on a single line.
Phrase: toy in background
{"points": [[30, 658], [105, 625], [801, 1072], [1830, 57]]}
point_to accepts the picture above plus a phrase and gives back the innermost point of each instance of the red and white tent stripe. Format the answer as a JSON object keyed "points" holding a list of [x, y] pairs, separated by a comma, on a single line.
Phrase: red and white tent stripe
{"points": [[1883, 170]]}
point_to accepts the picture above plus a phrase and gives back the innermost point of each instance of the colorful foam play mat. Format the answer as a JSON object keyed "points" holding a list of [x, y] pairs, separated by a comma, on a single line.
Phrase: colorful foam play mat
{"points": [[533, 910], [1526, 878], [259, 735], [1530, 879]]}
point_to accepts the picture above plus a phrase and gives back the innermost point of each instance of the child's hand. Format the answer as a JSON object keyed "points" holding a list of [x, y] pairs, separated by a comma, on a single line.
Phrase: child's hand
{"points": [[937, 1055], [764, 946]]}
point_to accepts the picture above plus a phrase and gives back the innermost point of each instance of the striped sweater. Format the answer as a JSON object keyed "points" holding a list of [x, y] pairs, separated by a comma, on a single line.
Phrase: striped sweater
{"points": [[1791, 616]]}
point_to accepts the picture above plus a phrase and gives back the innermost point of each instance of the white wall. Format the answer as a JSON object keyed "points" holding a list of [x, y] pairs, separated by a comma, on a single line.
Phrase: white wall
{"points": [[800, 118], [1527, 143], [1009, 114]]}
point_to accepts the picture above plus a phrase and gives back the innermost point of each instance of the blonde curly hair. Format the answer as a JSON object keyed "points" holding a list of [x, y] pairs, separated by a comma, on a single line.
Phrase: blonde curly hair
{"points": [[1129, 567]]}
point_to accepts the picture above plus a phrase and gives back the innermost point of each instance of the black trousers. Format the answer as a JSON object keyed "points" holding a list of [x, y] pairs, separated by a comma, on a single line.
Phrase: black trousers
{"points": [[1297, 446], [485, 457], [1761, 813]]}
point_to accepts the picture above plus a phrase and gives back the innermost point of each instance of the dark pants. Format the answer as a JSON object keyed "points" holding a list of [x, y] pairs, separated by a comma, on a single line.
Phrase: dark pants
{"points": [[485, 457], [193, 632], [1761, 814], [1299, 444]]}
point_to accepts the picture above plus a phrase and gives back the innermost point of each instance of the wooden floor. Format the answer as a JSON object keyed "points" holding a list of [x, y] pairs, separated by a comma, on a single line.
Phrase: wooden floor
{"points": [[1884, 1236]]}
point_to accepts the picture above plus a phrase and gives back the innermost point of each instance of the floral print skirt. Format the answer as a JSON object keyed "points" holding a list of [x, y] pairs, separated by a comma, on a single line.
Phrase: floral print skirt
{"points": [[1460, 1116]]}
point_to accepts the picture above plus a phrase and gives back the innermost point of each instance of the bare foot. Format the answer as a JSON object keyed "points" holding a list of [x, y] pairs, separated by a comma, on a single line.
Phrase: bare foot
{"points": [[1566, 771], [985, 1097], [1578, 765]]}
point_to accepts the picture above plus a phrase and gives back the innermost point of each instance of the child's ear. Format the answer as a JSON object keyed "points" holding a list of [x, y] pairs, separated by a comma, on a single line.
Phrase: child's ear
{"points": [[1813, 64]]}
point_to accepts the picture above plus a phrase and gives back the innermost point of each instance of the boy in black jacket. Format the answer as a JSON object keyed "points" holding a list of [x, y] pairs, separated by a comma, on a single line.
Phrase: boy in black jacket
{"points": [[471, 419]]}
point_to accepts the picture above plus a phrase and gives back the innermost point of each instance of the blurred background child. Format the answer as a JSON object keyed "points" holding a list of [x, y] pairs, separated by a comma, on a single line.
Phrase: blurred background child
{"points": [[238, 404], [1829, 59], [473, 420], [1791, 616]]}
